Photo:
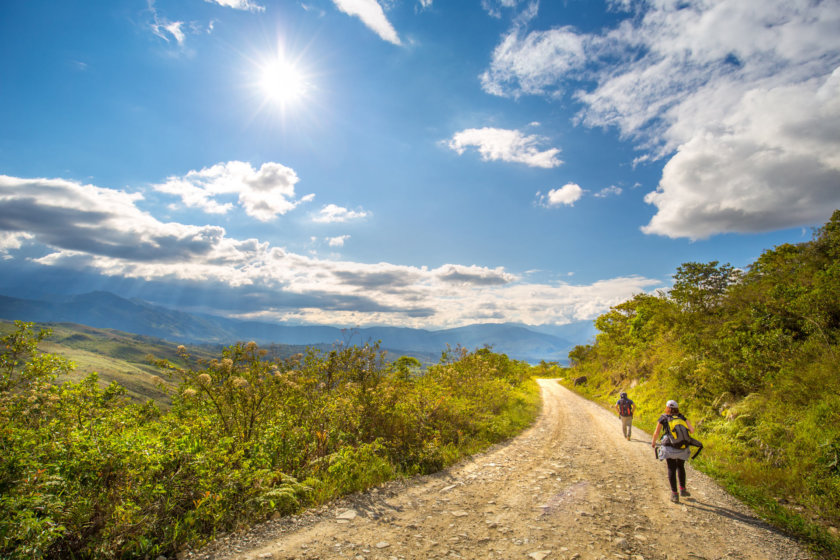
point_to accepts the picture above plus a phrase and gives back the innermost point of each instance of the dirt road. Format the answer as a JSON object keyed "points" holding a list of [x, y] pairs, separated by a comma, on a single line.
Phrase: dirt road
{"points": [[570, 487]]}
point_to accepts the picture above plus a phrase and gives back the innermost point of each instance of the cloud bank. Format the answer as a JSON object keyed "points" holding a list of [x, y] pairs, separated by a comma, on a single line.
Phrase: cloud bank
{"points": [[67, 225], [743, 98]]}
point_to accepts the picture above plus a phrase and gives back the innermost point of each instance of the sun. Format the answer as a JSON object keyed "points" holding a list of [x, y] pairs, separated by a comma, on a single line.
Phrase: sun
{"points": [[282, 82]]}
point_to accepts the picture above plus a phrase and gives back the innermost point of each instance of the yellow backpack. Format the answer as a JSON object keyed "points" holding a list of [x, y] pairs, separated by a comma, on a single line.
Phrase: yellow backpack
{"points": [[679, 437], [678, 433]]}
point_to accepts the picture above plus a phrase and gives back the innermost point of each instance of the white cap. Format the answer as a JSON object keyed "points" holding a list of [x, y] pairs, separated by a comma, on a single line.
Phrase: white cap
{"points": [[672, 404]]}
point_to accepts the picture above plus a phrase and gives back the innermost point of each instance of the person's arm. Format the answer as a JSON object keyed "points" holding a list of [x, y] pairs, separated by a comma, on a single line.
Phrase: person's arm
{"points": [[656, 434], [633, 408], [690, 426]]}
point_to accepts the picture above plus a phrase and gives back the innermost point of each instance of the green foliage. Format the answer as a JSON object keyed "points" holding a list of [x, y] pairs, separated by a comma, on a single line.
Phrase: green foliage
{"points": [[351, 469], [22, 366], [88, 472], [752, 357], [700, 287]]}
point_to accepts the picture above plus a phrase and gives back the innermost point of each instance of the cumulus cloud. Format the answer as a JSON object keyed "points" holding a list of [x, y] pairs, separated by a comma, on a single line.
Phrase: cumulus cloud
{"points": [[742, 98], [263, 194], [372, 15], [337, 241], [772, 168], [505, 145], [566, 195], [332, 213], [91, 229], [12, 240], [246, 5]]}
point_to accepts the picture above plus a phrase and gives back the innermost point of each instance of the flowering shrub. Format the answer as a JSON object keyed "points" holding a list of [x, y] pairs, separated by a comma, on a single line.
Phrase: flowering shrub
{"points": [[86, 473]]}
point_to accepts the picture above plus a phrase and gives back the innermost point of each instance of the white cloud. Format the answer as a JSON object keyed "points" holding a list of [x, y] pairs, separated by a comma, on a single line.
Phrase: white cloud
{"points": [[742, 97], [332, 213], [777, 165], [372, 15], [474, 275], [533, 63], [612, 190], [239, 5], [166, 29], [566, 195], [12, 240], [263, 194], [88, 228], [337, 241], [505, 145], [106, 223]]}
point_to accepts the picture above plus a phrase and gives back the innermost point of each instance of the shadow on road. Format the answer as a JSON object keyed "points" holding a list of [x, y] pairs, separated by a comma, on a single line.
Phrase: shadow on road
{"points": [[731, 514]]}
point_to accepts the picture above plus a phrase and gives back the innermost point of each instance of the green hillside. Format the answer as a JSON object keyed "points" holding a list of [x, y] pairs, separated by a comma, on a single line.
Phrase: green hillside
{"points": [[126, 358], [752, 357], [116, 356]]}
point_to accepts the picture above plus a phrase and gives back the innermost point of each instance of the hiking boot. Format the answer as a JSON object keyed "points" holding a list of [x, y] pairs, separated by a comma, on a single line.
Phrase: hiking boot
{"points": [[675, 497], [684, 492], [628, 438]]}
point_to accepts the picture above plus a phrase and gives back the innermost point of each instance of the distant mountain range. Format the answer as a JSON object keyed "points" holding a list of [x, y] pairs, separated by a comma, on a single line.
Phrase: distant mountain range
{"points": [[106, 310]]}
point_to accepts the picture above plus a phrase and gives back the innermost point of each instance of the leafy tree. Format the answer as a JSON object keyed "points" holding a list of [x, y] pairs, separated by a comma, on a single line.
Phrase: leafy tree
{"points": [[700, 287], [406, 367], [22, 366]]}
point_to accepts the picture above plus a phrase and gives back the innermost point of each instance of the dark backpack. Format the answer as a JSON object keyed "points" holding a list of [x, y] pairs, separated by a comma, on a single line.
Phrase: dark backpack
{"points": [[625, 407]]}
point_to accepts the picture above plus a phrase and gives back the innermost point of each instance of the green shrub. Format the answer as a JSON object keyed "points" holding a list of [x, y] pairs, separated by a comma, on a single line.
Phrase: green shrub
{"points": [[87, 473]]}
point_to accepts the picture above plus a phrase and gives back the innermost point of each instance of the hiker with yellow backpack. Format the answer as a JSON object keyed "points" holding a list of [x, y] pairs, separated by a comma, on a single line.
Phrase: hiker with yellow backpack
{"points": [[675, 446]]}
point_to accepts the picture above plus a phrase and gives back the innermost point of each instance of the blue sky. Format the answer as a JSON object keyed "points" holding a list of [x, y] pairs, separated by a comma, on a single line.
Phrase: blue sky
{"points": [[421, 163]]}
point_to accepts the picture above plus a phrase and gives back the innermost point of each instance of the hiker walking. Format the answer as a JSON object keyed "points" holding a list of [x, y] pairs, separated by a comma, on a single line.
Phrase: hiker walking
{"points": [[674, 428], [625, 408]]}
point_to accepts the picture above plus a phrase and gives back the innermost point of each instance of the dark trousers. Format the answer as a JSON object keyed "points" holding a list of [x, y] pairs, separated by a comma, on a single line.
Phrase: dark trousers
{"points": [[676, 468]]}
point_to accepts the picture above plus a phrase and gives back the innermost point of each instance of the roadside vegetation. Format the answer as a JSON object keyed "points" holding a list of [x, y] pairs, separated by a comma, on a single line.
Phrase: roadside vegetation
{"points": [[753, 359], [88, 472]]}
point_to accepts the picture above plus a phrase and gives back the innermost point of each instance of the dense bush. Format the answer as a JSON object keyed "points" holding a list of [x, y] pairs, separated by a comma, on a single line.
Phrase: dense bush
{"points": [[752, 357], [86, 473]]}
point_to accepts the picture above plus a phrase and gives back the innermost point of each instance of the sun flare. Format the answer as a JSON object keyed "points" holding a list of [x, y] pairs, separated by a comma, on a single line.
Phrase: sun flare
{"points": [[282, 82]]}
